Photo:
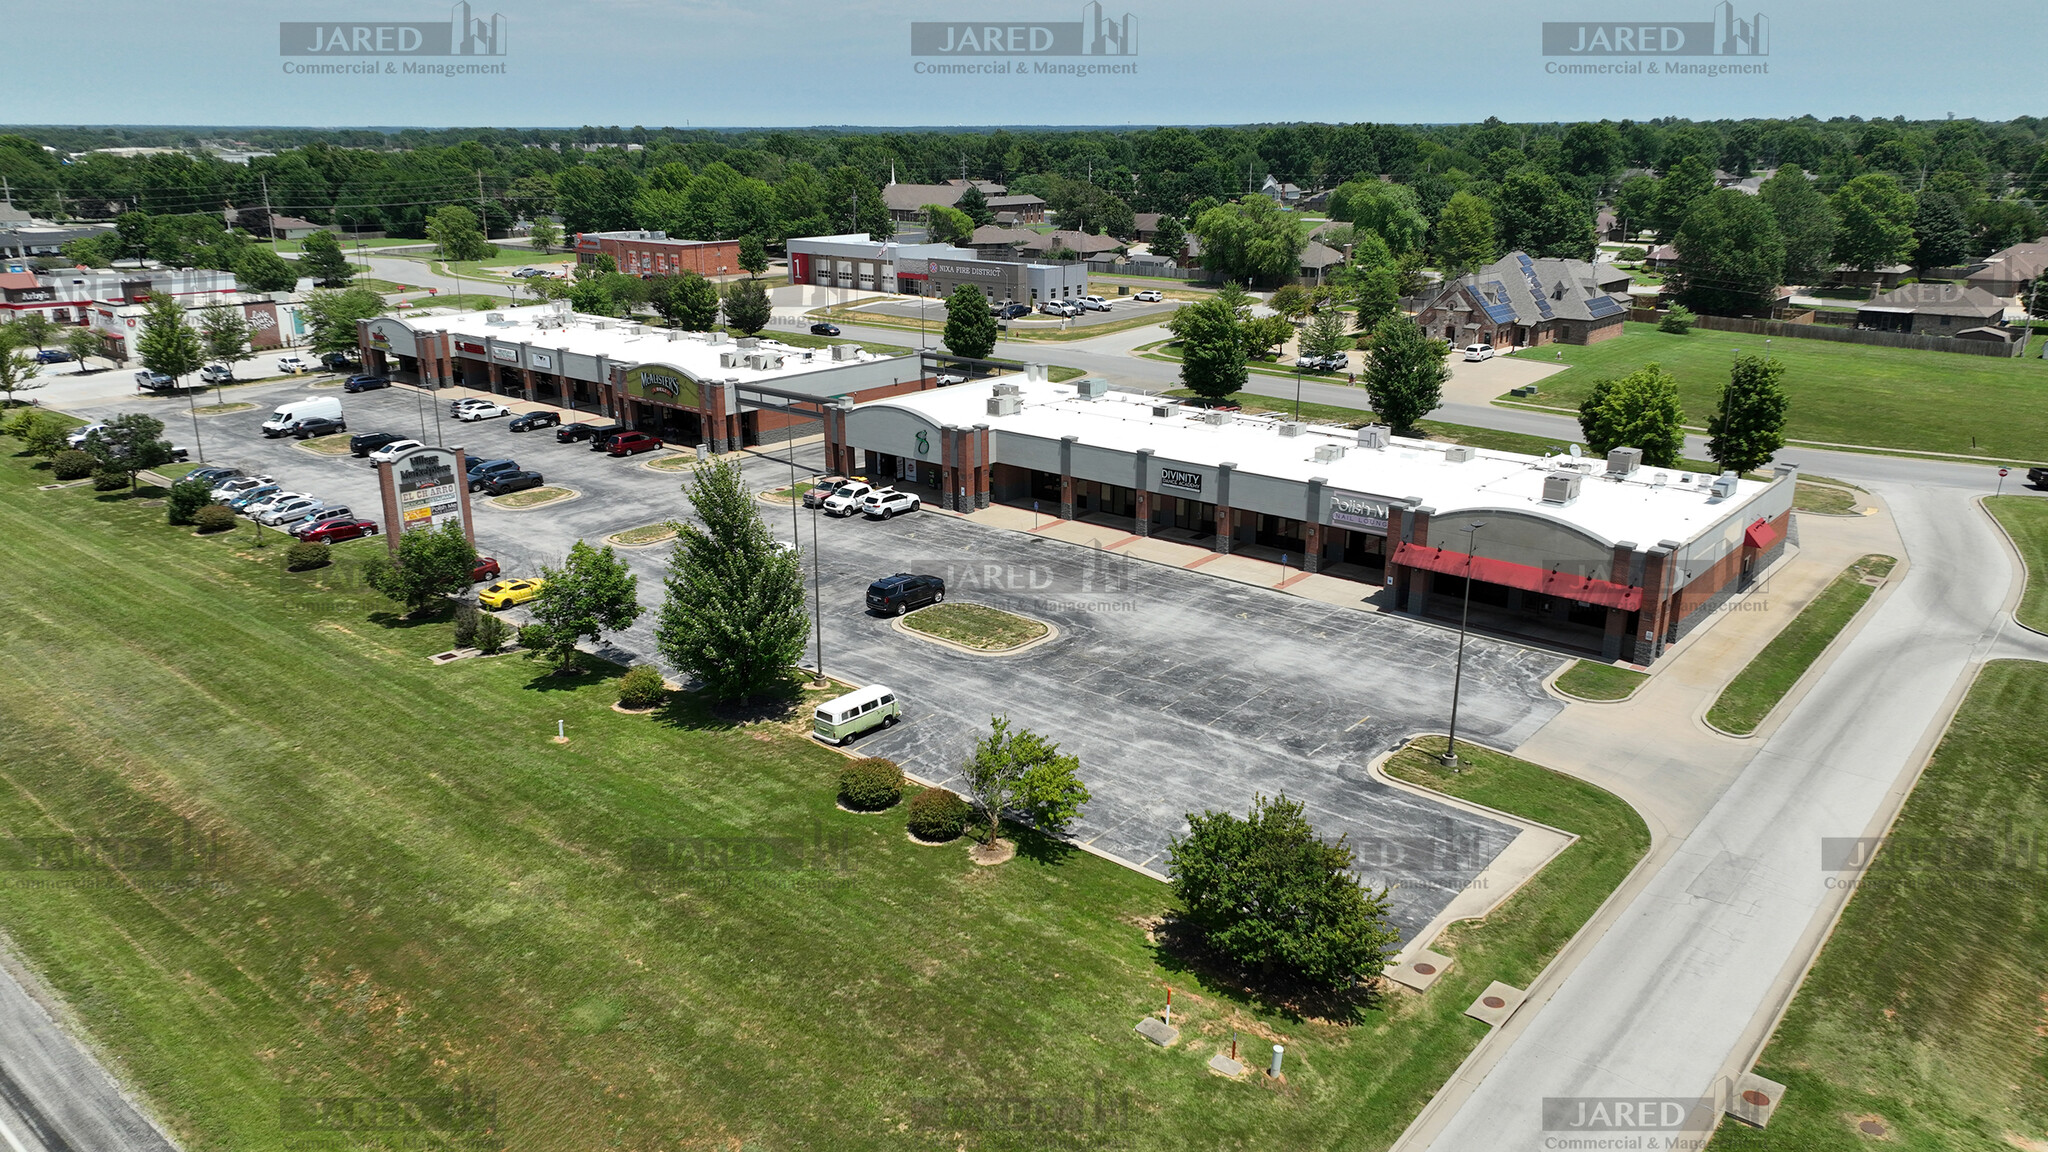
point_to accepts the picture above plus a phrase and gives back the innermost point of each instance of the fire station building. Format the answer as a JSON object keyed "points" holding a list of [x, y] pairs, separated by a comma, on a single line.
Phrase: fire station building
{"points": [[1601, 556]]}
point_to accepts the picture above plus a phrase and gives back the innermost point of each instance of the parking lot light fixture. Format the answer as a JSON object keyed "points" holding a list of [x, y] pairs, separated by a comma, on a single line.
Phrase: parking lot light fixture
{"points": [[1450, 757]]}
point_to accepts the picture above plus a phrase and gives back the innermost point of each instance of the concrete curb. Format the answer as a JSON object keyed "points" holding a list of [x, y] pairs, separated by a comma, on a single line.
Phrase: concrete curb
{"points": [[1550, 685], [2012, 605], [492, 501]]}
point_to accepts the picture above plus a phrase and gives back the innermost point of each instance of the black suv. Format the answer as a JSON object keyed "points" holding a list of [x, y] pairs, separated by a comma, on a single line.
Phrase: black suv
{"points": [[499, 483], [570, 433], [601, 435], [364, 443], [313, 426], [483, 470], [895, 595], [2038, 477], [365, 383]]}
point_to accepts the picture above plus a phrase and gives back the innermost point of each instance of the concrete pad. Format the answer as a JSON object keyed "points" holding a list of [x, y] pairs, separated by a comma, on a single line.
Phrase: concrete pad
{"points": [[1419, 969], [1224, 1066], [1246, 570], [1496, 1004], [1755, 1099], [1165, 551], [1158, 1031]]}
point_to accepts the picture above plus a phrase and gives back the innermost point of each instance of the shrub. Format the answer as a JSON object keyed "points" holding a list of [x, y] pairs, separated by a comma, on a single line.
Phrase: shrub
{"points": [[936, 814], [71, 464], [1678, 321], [21, 423], [532, 637], [491, 634], [45, 437], [185, 499], [871, 784], [641, 687], [214, 518], [306, 554], [466, 616], [108, 479], [1631, 254]]}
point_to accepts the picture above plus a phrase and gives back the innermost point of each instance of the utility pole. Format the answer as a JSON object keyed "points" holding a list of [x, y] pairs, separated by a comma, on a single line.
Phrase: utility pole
{"points": [[2027, 332], [268, 227]]}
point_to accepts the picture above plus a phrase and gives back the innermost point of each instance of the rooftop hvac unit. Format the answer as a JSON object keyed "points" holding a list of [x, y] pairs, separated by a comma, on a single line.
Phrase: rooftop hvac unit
{"points": [[1292, 427], [1561, 487], [846, 352], [632, 329], [1035, 373], [764, 361], [1004, 388], [1217, 417], [494, 318], [675, 334], [728, 359], [1373, 436], [749, 342], [1459, 453], [1088, 387], [1724, 485], [1165, 407], [1326, 453], [1004, 405], [1624, 461], [602, 324]]}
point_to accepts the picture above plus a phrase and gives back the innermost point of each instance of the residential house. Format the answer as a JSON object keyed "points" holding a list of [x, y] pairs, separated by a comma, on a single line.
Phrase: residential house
{"points": [[1081, 243], [1146, 225], [1318, 260], [1024, 209], [1524, 301], [2010, 271], [1885, 277], [1931, 310], [995, 242]]}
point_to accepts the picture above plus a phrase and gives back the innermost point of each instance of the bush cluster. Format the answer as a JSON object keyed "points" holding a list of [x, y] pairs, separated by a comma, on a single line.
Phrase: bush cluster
{"points": [[466, 617], [871, 784], [641, 687], [532, 637], [185, 499], [937, 815], [214, 518], [1678, 321], [491, 634], [306, 554], [108, 479], [71, 464]]}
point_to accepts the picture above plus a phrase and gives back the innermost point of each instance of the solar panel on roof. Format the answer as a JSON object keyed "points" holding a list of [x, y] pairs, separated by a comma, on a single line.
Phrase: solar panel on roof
{"points": [[1604, 306], [1535, 288], [1496, 303]]}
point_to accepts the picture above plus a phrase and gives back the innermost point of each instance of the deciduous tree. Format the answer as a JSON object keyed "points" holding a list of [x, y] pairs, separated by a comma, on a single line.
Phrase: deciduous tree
{"points": [[1729, 255], [431, 565], [1639, 410], [1543, 218], [167, 343], [1251, 240], [592, 593], [1875, 222], [1405, 372], [261, 270], [1213, 347], [1465, 235], [457, 235], [1268, 893], [334, 315], [1025, 773], [321, 257], [747, 306], [970, 329], [1750, 424], [1805, 223], [128, 444]]}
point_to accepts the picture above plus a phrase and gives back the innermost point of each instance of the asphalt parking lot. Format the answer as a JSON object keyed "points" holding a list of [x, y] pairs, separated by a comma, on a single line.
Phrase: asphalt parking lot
{"points": [[1179, 692], [1121, 308]]}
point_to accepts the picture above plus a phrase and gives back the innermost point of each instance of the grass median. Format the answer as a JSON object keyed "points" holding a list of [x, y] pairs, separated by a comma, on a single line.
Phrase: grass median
{"points": [[390, 881], [1922, 1014], [1589, 680], [2026, 519], [1756, 690], [976, 626]]}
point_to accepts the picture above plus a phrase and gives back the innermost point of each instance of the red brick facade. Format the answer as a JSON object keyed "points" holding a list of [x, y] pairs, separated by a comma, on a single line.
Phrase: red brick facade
{"points": [[662, 257]]}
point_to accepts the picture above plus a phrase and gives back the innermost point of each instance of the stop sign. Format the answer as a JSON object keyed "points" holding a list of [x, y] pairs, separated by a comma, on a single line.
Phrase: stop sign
{"points": [[2004, 472]]}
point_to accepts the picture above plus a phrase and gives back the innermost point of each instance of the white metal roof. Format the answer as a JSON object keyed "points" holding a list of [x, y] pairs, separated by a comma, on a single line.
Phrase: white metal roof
{"points": [[1651, 506]]}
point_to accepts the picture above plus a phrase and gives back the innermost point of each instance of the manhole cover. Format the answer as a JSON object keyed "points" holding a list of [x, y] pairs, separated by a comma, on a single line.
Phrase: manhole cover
{"points": [[1871, 1128], [1425, 969], [1756, 1098], [1493, 1002]]}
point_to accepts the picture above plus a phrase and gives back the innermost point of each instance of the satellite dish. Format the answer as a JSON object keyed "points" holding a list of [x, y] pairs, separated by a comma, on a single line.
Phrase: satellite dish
{"points": [[1575, 451]]}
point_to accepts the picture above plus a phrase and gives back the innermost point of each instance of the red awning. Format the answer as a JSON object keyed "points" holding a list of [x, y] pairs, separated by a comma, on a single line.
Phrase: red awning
{"points": [[1760, 534], [1524, 576]]}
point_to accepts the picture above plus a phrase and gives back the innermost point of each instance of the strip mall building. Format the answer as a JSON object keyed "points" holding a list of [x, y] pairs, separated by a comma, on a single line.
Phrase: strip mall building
{"points": [[685, 387], [1603, 556]]}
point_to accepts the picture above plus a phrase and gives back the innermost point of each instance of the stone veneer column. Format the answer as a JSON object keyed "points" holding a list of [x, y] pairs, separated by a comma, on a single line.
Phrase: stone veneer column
{"points": [[1312, 531], [1143, 486], [1417, 525], [1067, 476], [983, 470], [1226, 526]]}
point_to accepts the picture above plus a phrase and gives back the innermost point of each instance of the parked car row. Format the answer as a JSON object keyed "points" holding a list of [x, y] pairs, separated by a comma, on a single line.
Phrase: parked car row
{"points": [[853, 496], [263, 500]]}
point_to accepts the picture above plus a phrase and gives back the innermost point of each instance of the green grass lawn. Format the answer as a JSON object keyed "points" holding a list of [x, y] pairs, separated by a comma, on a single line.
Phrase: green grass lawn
{"points": [[389, 881], [470, 301], [1823, 498], [806, 340], [1749, 697], [975, 626], [1840, 393], [1923, 1012], [2026, 519], [348, 244], [1590, 680]]}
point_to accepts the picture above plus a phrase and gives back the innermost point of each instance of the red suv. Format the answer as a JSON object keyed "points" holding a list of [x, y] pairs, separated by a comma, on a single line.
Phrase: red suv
{"points": [[632, 443], [335, 531]]}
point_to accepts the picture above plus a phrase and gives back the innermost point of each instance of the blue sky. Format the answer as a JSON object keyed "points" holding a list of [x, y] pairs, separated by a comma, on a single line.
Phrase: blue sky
{"points": [[775, 62]]}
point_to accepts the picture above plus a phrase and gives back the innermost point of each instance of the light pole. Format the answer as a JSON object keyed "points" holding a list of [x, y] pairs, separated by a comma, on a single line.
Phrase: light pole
{"points": [[817, 601], [197, 446], [1297, 391], [1450, 757]]}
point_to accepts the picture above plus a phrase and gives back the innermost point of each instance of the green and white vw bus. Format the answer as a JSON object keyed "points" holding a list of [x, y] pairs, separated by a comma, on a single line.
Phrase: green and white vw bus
{"points": [[850, 715]]}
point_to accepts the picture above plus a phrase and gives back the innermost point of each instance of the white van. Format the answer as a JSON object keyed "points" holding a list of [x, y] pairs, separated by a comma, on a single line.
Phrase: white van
{"points": [[290, 412], [848, 716]]}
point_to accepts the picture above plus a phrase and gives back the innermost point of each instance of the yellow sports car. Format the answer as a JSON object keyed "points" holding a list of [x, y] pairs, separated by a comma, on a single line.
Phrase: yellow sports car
{"points": [[506, 593]]}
